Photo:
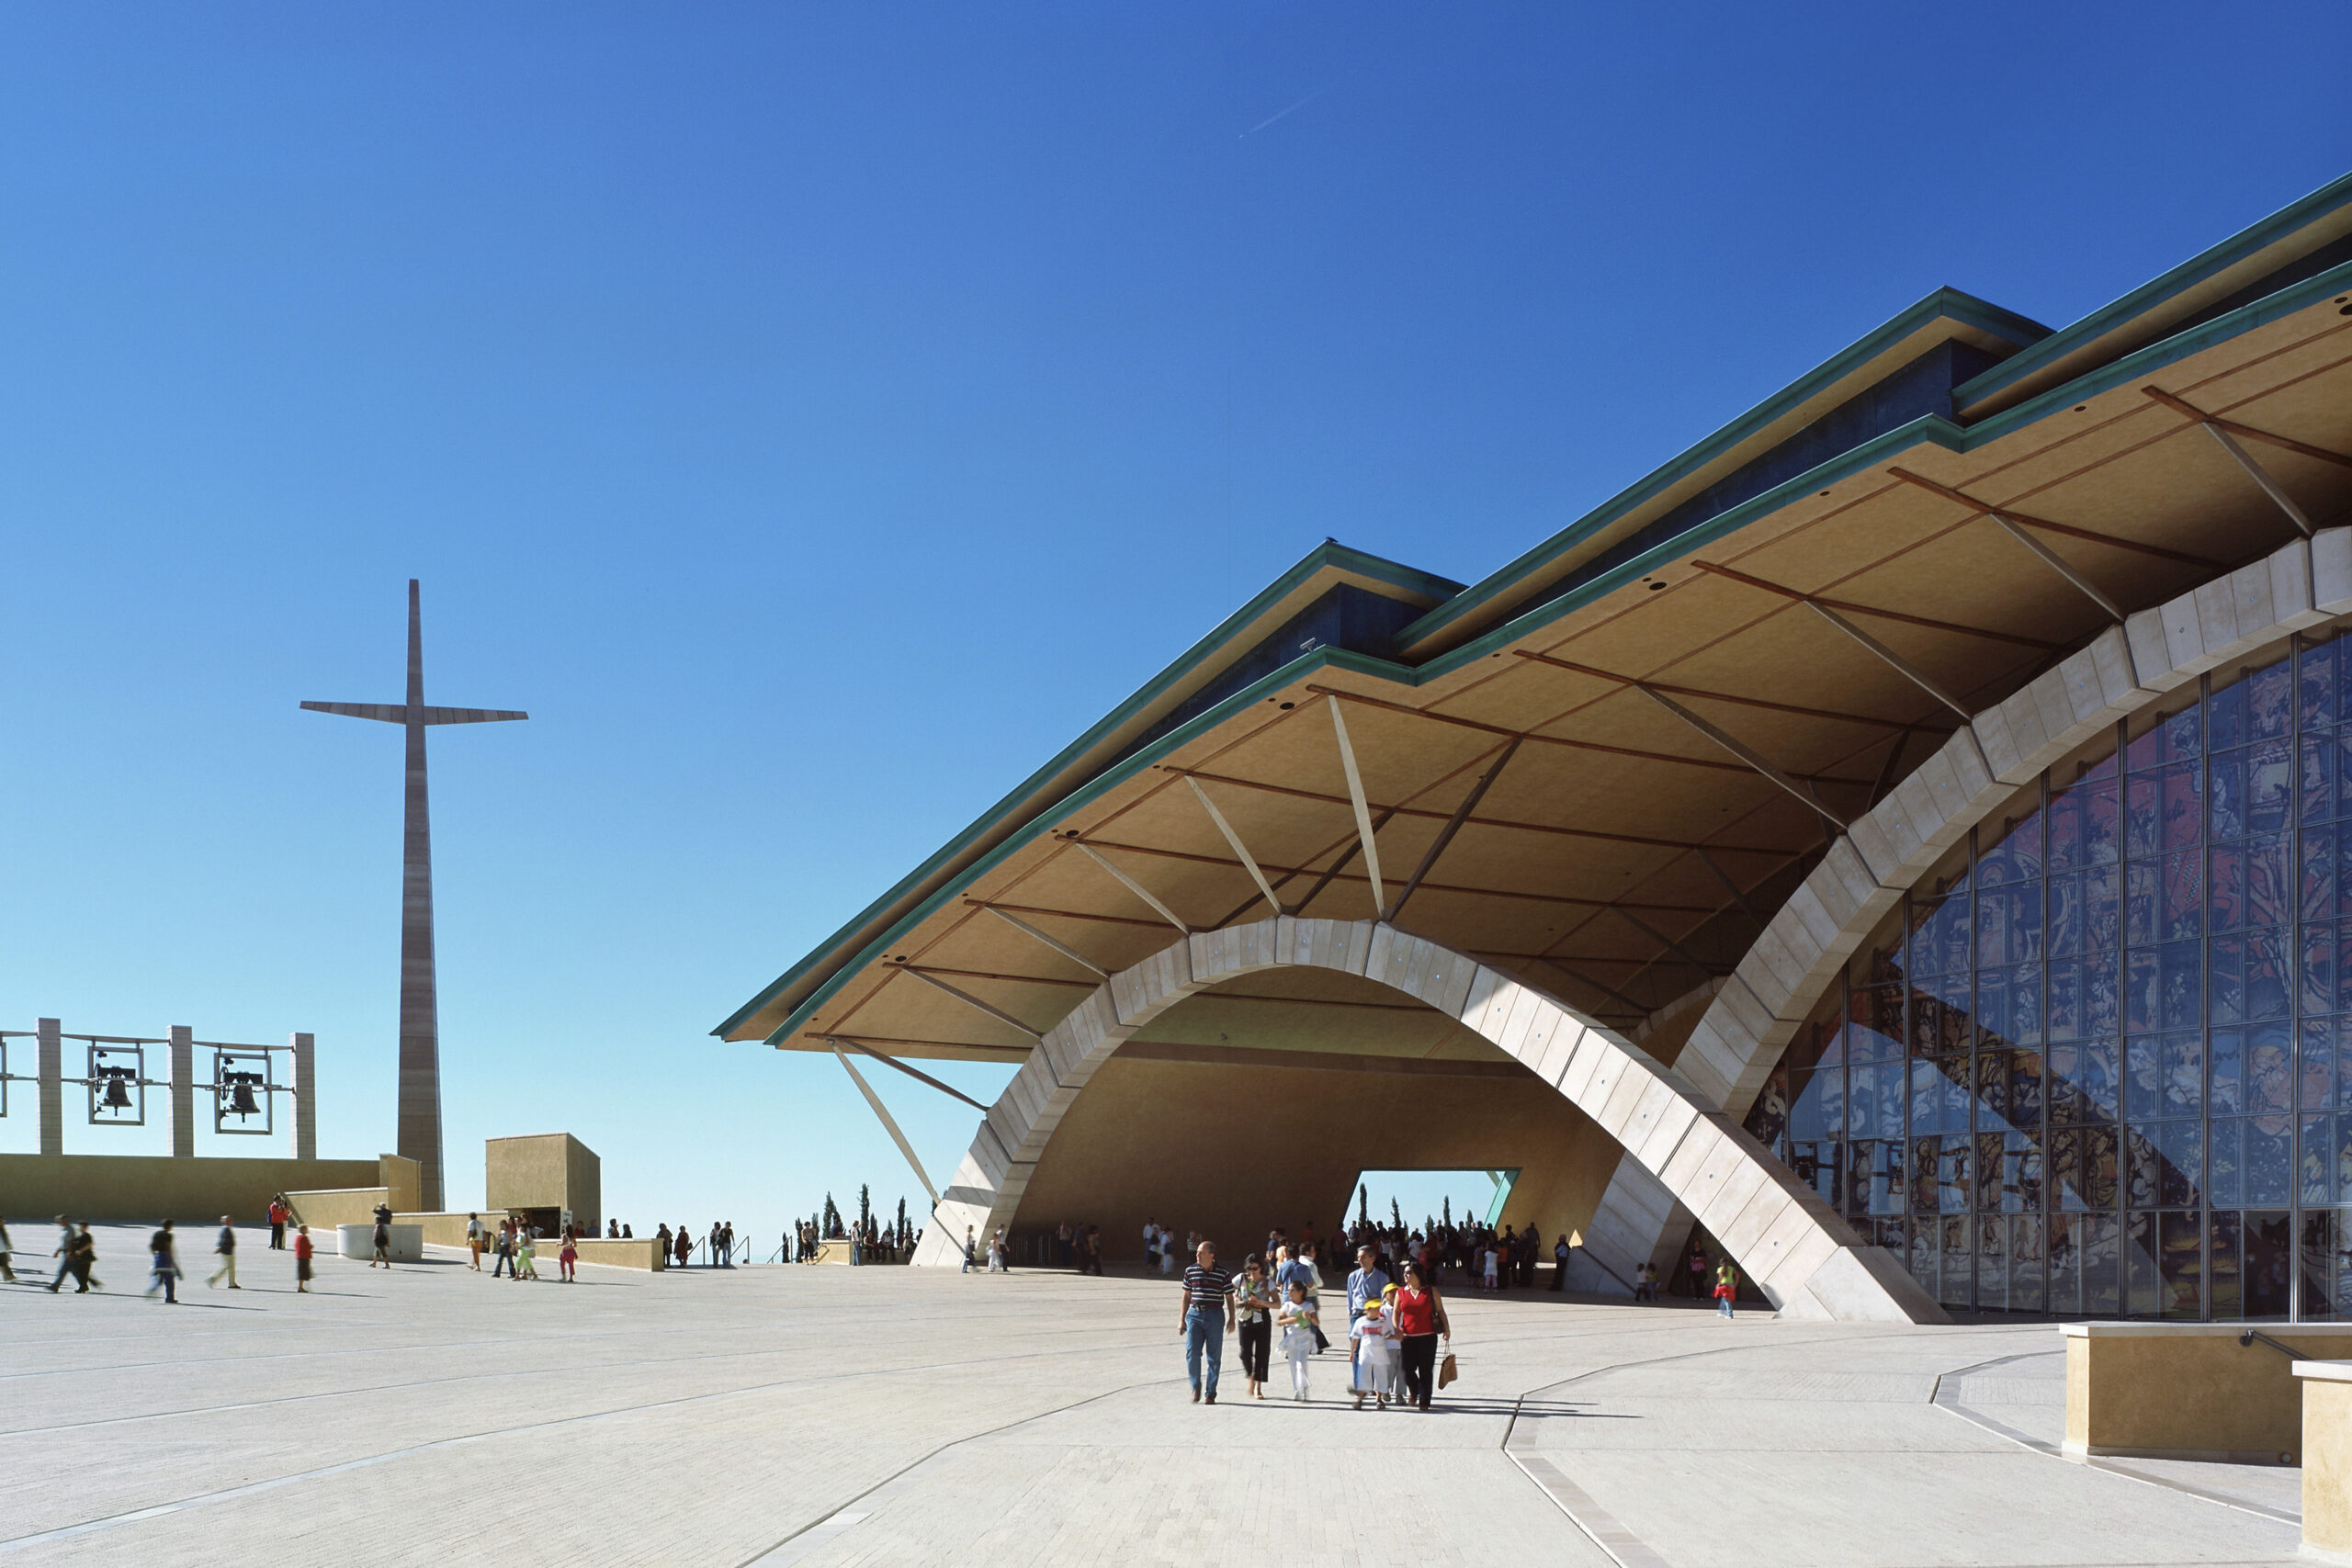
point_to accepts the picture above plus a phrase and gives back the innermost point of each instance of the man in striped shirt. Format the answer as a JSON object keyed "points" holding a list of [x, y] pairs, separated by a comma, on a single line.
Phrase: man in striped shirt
{"points": [[1209, 1292]]}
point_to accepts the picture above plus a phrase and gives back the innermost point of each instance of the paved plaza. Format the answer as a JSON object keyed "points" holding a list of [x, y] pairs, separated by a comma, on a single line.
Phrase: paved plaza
{"points": [[829, 1415]]}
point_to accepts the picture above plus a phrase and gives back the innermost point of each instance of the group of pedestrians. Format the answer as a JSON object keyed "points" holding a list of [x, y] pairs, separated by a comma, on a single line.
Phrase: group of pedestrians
{"points": [[997, 1257], [1394, 1328], [678, 1245], [77, 1254], [514, 1248]]}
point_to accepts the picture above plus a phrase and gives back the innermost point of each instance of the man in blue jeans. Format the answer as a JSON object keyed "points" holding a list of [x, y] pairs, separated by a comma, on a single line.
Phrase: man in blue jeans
{"points": [[1208, 1291]]}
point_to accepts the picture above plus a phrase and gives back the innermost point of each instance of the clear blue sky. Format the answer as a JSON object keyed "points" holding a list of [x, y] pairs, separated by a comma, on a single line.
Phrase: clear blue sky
{"points": [[815, 415]]}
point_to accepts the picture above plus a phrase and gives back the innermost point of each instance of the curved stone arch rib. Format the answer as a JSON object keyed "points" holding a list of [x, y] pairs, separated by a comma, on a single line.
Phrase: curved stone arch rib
{"points": [[1805, 1259], [2122, 671]]}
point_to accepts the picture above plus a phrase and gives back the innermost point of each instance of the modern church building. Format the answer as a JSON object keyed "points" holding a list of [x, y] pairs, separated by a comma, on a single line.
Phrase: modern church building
{"points": [[1904, 841]]}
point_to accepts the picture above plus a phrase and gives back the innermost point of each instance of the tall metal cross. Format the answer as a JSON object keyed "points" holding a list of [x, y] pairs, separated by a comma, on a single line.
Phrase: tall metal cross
{"points": [[420, 1096]]}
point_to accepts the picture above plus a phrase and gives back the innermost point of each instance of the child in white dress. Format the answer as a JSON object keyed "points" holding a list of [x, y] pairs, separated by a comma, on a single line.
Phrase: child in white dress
{"points": [[1375, 1353], [1297, 1320]]}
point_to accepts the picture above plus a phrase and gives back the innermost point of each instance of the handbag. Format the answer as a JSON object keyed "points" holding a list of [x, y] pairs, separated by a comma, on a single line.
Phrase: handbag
{"points": [[1448, 1369]]}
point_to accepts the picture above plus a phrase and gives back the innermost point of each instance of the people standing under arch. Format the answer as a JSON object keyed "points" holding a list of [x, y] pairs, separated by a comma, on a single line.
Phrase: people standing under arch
{"points": [[1420, 1320], [1208, 1318]]}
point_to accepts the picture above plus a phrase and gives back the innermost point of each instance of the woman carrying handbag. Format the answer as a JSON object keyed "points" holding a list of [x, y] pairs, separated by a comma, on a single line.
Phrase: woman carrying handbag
{"points": [[1420, 1319]]}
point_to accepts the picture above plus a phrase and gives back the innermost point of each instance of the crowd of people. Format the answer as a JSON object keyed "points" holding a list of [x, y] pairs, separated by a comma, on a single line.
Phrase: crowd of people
{"points": [[1395, 1330], [869, 1240]]}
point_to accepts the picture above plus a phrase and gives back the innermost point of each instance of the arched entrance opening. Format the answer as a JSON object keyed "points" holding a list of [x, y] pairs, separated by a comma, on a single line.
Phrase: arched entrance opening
{"points": [[1518, 1067]]}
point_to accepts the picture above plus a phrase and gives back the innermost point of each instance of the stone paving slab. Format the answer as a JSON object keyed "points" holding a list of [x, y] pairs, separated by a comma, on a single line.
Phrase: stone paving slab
{"points": [[431, 1416]]}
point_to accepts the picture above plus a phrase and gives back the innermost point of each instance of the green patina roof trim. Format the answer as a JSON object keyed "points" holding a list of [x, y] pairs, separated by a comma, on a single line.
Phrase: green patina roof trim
{"points": [[1945, 304], [1947, 433], [2153, 293], [1326, 556], [2141, 363]]}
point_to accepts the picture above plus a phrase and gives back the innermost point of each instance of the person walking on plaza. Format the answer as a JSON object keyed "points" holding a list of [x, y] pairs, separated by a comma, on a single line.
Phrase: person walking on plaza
{"points": [[685, 1246], [567, 1259], [473, 1240], [531, 1243], [8, 1272], [1560, 1250], [1698, 1272], [302, 1260], [1420, 1319], [226, 1251], [82, 1258], [383, 1253], [164, 1248], [1726, 1287], [1254, 1307], [1490, 1266], [1208, 1318], [63, 1254], [971, 1246], [1094, 1248], [280, 1210], [1301, 1336], [499, 1249], [1645, 1282]]}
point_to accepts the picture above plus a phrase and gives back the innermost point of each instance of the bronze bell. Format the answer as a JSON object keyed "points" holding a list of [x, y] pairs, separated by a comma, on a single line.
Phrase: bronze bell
{"points": [[241, 1095], [118, 1095]]}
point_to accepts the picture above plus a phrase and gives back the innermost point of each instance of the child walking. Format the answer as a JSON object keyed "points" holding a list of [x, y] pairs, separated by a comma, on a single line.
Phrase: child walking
{"points": [[1374, 1362], [1297, 1320], [530, 1253], [1726, 1287]]}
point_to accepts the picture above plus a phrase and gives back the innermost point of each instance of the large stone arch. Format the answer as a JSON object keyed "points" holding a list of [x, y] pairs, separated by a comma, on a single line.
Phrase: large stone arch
{"points": [[1804, 1257], [1732, 1050]]}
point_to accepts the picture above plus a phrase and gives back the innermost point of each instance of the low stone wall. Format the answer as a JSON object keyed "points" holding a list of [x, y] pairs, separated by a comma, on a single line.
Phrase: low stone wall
{"points": [[404, 1245], [837, 1251], [148, 1187], [2189, 1390], [450, 1229], [326, 1208]]}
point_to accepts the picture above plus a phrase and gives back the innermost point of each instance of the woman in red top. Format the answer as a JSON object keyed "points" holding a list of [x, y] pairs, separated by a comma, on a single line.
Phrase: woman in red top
{"points": [[302, 1260], [1420, 1318]]}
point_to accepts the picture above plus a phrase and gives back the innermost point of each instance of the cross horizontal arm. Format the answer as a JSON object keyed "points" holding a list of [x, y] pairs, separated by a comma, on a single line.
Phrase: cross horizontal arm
{"points": [[471, 715], [397, 712], [387, 712]]}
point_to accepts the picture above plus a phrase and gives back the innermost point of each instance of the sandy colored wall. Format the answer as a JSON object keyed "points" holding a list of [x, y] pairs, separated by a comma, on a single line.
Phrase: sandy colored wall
{"points": [[1234, 1150], [2327, 1467], [547, 1171], [2191, 1390], [326, 1208], [143, 1188]]}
